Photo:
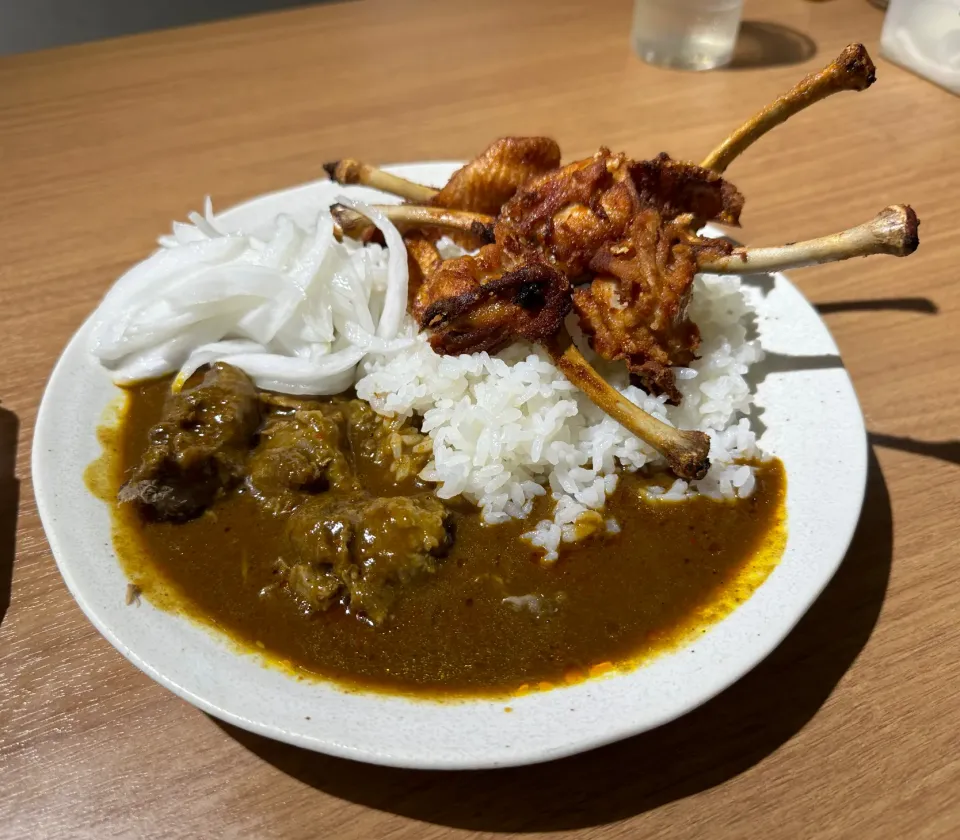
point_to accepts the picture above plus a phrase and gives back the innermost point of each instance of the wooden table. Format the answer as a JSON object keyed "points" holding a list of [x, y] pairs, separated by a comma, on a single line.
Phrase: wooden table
{"points": [[850, 729]]}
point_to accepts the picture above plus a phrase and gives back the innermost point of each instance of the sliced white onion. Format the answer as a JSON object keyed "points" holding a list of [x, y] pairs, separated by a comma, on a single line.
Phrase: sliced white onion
{"points": [[140, 283], [322, 376], [167, 356], [295, 309], [373, 344], [279, 250], [395, 302], [207, 354]]}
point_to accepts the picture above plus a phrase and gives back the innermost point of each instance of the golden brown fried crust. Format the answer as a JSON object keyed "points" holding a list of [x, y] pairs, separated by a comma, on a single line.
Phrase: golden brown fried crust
{"points": [[424, 253], [568, 215], [675, 187], [486, 183], [626, 222], [423, 260], [635, 310], [456, 277]]}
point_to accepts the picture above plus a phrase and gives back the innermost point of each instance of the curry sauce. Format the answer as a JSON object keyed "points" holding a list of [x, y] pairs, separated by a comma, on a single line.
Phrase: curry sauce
{"points": [[491, 619]]}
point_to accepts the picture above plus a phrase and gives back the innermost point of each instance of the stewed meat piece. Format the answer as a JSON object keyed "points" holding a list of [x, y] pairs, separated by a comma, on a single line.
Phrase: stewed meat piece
{"points": [[399, 540], [300, 452], [362, 550], [198, 449]]}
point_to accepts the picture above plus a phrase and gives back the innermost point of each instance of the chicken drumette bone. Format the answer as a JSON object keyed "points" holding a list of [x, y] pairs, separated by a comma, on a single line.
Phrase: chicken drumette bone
{"points": [[411, 217], [483, 186], [686, 451], [851, 70], [892, 231]]}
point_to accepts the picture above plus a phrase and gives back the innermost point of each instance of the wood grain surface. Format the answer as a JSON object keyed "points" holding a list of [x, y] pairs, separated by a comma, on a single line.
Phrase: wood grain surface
{"points": [[850, 729]]}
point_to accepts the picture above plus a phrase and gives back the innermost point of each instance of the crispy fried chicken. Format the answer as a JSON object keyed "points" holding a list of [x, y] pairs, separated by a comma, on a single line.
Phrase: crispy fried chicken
{"points": [[635, 308], [569, 215], [483, 185], [486, 183], [604, 215], [475, 303], [619, 230]]}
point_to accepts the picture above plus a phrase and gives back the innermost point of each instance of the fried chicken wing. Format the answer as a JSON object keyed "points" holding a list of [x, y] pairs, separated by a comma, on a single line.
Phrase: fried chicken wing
{"points": [[568, 215], [423, 260], [452, 279], [526, 304], [622, 233], [606, 215], [482, 186], [635, 309], [471, 303], [611, 216], [486, 183], [675, 187]]}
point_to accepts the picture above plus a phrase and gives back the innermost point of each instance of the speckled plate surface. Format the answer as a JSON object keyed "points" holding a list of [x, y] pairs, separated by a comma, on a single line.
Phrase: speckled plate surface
{"points": [[809, 411]]}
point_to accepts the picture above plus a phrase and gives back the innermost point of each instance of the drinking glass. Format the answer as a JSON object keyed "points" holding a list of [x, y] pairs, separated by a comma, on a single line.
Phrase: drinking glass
{"points": [[687, 34]]}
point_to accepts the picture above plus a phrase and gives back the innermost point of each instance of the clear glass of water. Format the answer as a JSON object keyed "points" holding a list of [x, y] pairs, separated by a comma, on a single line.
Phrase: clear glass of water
{"points": [[687, 34]]}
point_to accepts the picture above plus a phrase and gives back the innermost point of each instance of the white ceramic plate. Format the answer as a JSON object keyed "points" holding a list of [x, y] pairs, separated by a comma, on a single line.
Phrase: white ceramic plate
{"points": [[813, 423]]}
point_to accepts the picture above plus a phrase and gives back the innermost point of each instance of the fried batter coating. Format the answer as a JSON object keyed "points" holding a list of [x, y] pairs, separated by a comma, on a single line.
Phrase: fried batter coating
{"points": [[606, 217]]}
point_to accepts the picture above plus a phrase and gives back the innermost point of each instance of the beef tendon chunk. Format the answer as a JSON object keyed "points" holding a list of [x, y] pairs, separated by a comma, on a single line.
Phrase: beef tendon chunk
{"points": [[315, 587], [321, 531], [198, 449], [399, 540], [374, 547], [299, 453]]}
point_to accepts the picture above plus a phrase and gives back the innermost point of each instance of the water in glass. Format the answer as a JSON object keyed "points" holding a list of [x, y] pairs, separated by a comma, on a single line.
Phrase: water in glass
{"points": [[688, 34]]}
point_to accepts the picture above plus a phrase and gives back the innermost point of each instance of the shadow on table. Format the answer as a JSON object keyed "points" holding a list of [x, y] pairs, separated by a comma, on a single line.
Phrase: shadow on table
{"points": [[942, 450], [9, 501], [712, 744], [764, 44]]}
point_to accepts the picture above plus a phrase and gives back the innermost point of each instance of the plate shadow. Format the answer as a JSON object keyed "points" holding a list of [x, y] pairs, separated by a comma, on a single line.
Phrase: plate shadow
{"points": [[9, 504], [780, 363], [765, 44], [715, 743], [943, 450]]}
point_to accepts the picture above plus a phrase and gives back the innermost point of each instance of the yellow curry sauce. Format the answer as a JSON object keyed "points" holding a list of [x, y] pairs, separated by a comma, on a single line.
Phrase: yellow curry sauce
{"points": [[611, 601]]}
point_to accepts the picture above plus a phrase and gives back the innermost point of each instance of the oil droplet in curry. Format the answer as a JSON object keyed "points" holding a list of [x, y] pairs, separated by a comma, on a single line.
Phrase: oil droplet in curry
{"points": [[612, 601]]}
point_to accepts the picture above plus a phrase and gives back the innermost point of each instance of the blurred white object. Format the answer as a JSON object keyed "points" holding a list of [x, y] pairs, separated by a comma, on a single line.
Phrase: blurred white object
{"points": [[924, 36], [687, 34]]}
